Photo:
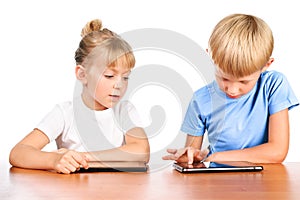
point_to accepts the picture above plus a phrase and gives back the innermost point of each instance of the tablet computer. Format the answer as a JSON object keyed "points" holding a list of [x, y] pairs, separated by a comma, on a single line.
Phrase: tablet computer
{"points": [[115, 166], [224, 166]]}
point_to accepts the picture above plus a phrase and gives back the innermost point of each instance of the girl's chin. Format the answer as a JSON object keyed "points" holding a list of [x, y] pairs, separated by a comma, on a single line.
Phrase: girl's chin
{"points": [[108, 104]]}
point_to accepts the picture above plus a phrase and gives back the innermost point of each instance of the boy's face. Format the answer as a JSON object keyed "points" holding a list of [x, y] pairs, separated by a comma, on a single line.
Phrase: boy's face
{"points": [[235, 87], [107, 87]]}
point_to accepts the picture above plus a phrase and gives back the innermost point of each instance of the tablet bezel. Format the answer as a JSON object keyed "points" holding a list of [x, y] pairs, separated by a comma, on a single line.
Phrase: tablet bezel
{"points": [[115, 166], [224, 166]]}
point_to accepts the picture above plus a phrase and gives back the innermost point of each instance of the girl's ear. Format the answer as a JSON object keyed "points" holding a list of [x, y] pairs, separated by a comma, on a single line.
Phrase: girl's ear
{"points": [[81, 75]]}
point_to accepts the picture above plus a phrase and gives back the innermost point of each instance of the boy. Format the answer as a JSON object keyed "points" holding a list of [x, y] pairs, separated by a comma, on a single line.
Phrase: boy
{"points": [[245, 110]]}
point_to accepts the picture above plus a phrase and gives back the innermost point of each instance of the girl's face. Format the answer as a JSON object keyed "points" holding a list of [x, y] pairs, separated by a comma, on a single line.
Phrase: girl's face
{"points": [[236, 87], [105, 88]]}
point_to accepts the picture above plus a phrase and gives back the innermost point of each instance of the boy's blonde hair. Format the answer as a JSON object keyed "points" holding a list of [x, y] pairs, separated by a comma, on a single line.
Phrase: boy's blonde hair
{"points": [[241, 44], [102, 42]]}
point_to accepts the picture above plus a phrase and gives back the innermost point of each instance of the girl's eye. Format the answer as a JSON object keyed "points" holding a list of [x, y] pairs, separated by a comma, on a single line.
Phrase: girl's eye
{"points": [[108, 76], [126, 78]]}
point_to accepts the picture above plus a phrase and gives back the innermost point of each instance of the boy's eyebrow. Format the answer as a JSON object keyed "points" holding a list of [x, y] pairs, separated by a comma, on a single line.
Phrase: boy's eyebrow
{"points": [[248, 79], [221, 74]]}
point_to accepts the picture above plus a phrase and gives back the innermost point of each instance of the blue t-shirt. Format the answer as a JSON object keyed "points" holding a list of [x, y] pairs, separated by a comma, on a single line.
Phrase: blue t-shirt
{"points": [[238, 123]]}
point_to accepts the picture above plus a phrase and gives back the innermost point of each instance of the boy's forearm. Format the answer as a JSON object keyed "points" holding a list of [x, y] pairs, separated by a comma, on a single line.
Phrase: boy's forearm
{"points": [[194, 141], [265, 153], [28, 157]]}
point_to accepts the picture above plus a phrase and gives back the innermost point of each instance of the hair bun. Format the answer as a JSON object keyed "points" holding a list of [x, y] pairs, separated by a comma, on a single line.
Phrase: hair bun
{"points": [[94, 25]]}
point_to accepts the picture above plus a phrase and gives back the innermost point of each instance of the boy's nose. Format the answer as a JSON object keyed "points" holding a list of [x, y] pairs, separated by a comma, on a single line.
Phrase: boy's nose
{"points": [[232, 89]]}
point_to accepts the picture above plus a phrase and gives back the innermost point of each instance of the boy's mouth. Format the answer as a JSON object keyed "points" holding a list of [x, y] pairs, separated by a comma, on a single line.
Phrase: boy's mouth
{"points": [[233, 97]]}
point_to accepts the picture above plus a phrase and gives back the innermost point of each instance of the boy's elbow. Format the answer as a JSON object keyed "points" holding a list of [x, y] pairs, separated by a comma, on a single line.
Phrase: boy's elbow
{"points": [[12, 157], [277, 157]]}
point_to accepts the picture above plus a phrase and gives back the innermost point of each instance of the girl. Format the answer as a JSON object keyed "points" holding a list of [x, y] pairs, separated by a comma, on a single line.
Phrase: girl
{"points": [[93, 126]]}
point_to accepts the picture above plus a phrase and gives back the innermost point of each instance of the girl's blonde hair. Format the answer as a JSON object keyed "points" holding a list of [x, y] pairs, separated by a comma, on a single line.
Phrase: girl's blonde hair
{"points": [[241, 44], [105, 43]]}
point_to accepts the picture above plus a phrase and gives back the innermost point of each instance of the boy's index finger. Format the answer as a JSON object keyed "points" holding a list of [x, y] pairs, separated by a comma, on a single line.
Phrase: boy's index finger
{"points": [[173, 151], [190, 155], [169, 157]]}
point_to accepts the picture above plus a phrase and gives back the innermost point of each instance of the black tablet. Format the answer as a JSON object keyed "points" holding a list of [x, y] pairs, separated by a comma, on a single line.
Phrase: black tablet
{"points": [[226, 166], [115, 166]]}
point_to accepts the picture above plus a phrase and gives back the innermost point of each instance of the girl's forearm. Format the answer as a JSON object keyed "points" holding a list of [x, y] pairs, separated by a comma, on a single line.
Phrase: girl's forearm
{"points": [[128, 152], [28, 157]]}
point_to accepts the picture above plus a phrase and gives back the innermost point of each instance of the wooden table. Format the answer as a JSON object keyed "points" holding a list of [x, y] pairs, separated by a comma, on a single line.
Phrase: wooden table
{"points": [[276, 181]]}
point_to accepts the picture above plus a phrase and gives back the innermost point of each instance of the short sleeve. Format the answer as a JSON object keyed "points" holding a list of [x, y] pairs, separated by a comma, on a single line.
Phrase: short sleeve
{"points": [[281, 95], [52, 124], [193, 123]]}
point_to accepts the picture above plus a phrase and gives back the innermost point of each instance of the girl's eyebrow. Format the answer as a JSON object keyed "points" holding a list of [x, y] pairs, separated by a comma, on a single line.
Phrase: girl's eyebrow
{"points": [[116, 71]]}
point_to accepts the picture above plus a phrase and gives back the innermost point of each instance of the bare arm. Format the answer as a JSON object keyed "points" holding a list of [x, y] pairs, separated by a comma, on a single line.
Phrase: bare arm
{"points": [[27, 154], [194, 141], [274, 151], [136, 149]]}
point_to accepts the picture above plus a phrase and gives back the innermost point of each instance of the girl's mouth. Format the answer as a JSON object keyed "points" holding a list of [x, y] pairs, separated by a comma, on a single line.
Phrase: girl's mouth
{"points": [[115, 98]]}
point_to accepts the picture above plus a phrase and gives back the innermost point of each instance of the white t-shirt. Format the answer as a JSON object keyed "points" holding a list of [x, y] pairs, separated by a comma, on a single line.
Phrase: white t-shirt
{"points": [[74, 126]]}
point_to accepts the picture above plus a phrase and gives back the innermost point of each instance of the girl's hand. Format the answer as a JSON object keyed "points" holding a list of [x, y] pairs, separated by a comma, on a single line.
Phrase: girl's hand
{"points": [[69, 161], [187, 154]]}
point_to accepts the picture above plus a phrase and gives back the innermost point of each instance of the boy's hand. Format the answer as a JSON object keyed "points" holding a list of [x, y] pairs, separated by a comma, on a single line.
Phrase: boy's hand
{"points": [[69, 161], [187, 154]]}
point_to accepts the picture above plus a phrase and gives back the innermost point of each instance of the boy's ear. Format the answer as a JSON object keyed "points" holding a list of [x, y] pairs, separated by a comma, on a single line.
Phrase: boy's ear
{"points": [[80, 72], [268, 64]]}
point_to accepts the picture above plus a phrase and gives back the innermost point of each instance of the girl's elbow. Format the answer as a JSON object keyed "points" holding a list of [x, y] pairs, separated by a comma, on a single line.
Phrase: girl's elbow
{"points": [[146, 157]]}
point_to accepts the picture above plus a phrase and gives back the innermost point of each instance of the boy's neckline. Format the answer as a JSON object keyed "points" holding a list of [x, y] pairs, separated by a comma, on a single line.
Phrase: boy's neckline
{"points": [[223, 94]]}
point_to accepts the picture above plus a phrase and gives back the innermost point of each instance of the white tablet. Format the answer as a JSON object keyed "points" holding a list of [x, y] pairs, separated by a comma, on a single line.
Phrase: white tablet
{"points": [[226, 166]]}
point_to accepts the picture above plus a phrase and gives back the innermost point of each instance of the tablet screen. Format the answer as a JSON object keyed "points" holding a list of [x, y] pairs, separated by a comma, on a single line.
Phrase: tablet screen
{"points": [[115, 166], [217, 166]]}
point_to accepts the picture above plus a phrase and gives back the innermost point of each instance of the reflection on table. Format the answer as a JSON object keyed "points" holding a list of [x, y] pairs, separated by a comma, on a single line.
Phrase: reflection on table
{"points": [[276, 181]]}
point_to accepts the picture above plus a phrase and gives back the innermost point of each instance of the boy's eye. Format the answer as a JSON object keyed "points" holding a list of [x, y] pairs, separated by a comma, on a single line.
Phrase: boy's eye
{"points": [[244, 82], [224, 79], [125, 78]]}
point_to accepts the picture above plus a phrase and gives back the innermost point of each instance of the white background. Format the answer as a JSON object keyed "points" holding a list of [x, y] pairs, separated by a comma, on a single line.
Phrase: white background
{"points": [[39, 38]]}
